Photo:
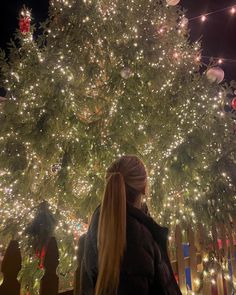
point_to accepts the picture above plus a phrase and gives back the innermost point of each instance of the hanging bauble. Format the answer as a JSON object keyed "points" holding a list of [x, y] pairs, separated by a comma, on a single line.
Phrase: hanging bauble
{"points": [[126, 73], [172, 2], [24, 22], [233, 103], [215, 74], [56, 168], [41, 255]]}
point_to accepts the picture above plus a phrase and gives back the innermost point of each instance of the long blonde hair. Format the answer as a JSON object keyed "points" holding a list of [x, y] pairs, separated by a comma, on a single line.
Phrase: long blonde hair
{"points": [[125, 180]]}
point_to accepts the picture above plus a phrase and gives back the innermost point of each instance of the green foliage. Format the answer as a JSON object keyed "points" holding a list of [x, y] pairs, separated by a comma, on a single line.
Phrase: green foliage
{"points": [[69, 113]]}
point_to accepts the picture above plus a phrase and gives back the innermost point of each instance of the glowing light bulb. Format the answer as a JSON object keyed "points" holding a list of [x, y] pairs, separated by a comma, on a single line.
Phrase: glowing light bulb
{"points": [[213, 282], [220, 61], [198, 58], [203, 18], [233, 10]]}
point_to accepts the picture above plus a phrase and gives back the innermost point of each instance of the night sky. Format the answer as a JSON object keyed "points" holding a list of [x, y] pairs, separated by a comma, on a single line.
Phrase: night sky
{"points": [[218, 33]]}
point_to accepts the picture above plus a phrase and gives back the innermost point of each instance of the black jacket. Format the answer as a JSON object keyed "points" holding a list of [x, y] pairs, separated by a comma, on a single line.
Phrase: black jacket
{"points": [[145, 270]]}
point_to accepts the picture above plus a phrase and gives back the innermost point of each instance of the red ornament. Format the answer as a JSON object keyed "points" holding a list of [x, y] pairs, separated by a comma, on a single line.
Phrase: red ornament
{"points": [[233, 103], [41, 256], [24, 24]]}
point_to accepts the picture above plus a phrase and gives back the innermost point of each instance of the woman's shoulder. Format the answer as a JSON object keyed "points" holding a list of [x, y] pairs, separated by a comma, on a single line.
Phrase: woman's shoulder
{"points": [[94, 220], [91, 235], [140, 253], [147, 224]]}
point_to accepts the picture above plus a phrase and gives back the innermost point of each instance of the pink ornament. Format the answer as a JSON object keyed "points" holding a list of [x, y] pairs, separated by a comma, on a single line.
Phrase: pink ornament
{"points": [[172, 2], [215, 74], [126, 73], [233, 103]]}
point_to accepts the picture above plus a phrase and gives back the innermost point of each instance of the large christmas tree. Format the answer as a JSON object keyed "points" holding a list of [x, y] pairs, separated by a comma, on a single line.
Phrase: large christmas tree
{"points": [[108, 78]]}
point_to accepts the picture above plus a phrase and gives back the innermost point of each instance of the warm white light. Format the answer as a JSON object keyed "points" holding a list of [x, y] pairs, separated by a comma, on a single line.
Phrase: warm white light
{"points": [[232, 10], [176, 55], [220, 61], [203, 18], [198, 58], [213, 282]]}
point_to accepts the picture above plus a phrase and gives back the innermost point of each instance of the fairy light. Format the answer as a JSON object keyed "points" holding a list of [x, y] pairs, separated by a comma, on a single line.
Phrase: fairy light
{"points": [[198, 58], [203, 18], [213, 281], [197, 282], [233, 10]]}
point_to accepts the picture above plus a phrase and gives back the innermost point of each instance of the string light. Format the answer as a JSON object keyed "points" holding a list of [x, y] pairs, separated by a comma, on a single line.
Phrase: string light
{"points": [[231, 9], [219, 60], [203, 18]]}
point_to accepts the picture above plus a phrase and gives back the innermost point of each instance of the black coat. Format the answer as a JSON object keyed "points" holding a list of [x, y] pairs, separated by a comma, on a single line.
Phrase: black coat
{"points": [[145, 270]]}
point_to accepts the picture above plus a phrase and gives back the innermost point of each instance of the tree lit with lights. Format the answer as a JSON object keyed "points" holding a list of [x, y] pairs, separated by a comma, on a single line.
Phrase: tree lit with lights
{"points": [[108, 78]]}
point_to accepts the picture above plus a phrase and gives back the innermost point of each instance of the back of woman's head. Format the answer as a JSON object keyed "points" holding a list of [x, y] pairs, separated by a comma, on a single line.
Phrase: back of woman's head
{"points": [[125, 180], [134, 173]]}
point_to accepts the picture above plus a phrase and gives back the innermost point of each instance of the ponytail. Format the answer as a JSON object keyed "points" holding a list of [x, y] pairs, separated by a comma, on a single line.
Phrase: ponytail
{"points": [[111, 235]]}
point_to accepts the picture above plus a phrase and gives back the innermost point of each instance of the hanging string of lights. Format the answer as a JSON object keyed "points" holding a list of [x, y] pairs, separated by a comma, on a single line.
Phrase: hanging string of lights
{"points": [[219, 60], [203, 17]]}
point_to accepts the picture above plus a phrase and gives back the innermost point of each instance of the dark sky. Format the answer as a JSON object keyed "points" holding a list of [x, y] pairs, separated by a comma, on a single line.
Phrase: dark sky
{"points": [[218, 32]]}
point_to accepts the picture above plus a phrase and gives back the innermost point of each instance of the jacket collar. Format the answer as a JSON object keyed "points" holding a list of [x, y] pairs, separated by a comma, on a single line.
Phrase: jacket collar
{"points": [[159, 233]]}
